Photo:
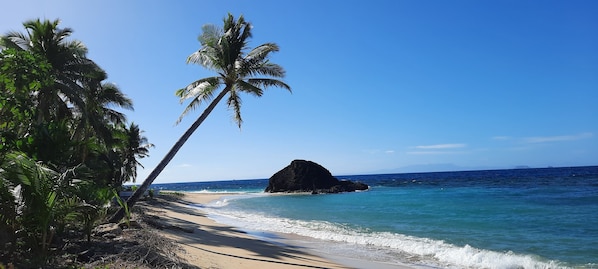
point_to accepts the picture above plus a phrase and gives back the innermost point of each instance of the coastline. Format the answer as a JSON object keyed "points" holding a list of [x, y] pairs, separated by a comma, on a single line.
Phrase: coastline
{"points": [[208, 244]]}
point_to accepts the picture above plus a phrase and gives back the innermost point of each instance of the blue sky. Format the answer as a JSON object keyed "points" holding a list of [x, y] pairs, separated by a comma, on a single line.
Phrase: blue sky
{"points": [[378, 86]]}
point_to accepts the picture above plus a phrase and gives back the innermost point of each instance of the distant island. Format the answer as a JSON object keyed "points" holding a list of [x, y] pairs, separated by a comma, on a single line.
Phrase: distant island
{"points": [[522, 167]]}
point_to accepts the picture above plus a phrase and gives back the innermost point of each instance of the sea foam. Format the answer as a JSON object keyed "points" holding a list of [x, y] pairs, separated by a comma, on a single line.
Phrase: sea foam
{"points": [[397, 247]]}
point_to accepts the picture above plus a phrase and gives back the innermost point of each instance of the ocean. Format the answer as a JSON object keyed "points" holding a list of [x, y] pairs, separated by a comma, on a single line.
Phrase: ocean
{"points": [[519, 218]]}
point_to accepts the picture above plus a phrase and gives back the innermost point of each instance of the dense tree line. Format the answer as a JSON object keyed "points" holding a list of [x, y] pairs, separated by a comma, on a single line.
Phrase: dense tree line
{"points": [[64, 148]]}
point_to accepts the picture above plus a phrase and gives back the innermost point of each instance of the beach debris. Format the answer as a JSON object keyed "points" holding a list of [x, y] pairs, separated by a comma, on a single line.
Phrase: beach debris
{"points": [[109, 228], [308, 176]]}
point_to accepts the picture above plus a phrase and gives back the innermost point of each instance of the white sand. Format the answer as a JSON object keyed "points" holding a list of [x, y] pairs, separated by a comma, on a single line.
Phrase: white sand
{"points": [[208, 244]]}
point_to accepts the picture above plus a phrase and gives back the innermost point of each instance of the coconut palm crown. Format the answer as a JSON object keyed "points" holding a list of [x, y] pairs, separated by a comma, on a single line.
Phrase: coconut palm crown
{"points": [[222, 50]]}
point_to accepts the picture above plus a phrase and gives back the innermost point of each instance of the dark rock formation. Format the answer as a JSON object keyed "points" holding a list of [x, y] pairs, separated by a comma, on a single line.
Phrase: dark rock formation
{"points": [[308, 176]]}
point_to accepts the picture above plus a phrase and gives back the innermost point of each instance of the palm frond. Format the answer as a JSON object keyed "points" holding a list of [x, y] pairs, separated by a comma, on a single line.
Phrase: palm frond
{"points": [[234, 103], [256, 62], [210, 34], [15, 40], [234, 40], [111, 95], [250, 88], [61, 33], [76, 47], [267, 69], [199, 87], [70, 89], [268, 82], [190, 107], [199, 91], [114, 116], [204, 57], [261, 52]]}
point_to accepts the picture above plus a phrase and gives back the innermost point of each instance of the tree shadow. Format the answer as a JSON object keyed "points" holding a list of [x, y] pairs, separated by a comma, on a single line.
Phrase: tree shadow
{"points": [[194, 235]]}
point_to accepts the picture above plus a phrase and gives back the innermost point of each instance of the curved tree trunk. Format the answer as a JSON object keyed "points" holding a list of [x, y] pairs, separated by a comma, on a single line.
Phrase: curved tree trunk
{"points": [[118, 216]]}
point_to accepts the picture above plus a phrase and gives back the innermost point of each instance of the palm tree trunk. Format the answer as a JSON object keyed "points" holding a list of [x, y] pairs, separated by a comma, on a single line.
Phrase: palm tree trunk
{"points": [[118, 216]]}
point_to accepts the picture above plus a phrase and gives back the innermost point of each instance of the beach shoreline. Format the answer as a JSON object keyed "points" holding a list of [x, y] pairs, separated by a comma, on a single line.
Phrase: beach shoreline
{"points": [[210, 244]]}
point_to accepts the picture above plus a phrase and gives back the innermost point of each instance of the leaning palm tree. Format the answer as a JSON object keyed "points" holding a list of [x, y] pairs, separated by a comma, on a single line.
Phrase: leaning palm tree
{"points": [[222, 50]]}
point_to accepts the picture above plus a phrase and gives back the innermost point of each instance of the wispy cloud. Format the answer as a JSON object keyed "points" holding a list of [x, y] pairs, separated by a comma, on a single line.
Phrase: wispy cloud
{"points": [[437, 149], [183, 165], [432, 152], [379, 151], [501, 137], [441, 146], [561, 138]]}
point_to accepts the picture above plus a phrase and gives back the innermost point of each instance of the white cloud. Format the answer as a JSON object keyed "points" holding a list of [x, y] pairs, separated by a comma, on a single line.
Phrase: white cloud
{"points": [[500, 137], [379, 151], [438, 149], [184, 165], [441, 146], [544, 139], [432, 152]]}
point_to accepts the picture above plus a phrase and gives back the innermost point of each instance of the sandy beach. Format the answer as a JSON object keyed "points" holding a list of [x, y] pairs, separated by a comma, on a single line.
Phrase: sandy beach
{"points": [[208, 244]]}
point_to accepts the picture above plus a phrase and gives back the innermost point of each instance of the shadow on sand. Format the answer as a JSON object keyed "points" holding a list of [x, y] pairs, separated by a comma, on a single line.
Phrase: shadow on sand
{"points": [[196, 236]]}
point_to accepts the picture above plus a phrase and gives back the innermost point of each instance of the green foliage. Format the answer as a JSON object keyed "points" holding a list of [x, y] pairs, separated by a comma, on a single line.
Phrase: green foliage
{"points": [[150, 193], [21, 74], [35, 194], [89, 205], [123, 205], [64, 149]]}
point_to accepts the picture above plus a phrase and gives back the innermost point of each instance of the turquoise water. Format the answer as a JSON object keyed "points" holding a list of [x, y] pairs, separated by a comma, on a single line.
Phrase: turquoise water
{"points": [[529, 218]]}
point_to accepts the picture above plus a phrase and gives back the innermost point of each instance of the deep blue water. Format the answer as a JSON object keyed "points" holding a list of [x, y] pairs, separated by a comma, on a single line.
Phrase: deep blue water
{"points": [[520, 218]]}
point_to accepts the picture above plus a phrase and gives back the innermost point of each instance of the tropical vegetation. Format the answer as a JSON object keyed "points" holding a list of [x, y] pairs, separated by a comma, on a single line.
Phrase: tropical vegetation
{"points": [[64, 148], [222, 50]]}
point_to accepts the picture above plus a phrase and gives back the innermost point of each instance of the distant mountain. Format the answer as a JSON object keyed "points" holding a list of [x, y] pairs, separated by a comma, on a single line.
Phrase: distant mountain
{"points": [[522, 167]]}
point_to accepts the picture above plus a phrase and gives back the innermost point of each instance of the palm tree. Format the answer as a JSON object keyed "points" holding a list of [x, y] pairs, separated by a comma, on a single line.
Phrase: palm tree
{"points": [[97, 120], [222, 50], [77, 98], [68, 60], [134, 146]]}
